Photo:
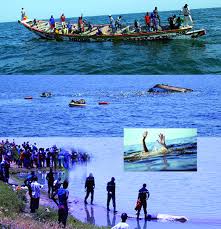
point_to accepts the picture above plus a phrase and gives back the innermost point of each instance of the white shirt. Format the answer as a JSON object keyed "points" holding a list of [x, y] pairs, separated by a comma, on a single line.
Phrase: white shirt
{"points": [[23, 12], [35, 188], [121, 225]]}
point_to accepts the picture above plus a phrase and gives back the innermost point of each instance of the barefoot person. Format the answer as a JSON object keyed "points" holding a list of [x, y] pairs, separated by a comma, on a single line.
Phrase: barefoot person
{"points": [[143, 196], [50, 179], [89, 187], [35, 195], [122, 224]]}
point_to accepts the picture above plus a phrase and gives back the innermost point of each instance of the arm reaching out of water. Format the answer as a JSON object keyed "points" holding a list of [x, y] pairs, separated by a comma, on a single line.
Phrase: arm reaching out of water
{"points": [[162, 140], [145, 149]]}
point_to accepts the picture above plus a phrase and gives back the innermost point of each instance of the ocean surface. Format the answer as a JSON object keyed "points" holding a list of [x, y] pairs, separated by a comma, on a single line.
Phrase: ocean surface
{"points": [[181, 156], [130, 105], [195, 195], [21, 52]]}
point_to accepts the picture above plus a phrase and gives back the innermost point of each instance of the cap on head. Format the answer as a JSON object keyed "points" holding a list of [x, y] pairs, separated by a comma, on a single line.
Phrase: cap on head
{"points": [[124, 216]]}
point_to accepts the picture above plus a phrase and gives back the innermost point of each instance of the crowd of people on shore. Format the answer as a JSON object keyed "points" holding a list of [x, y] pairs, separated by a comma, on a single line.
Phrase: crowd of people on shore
{"points": [[152, 23], [58, 192], [29, 156]]}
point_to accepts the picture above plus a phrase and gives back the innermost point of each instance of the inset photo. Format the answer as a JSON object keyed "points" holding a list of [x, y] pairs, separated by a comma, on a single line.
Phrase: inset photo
{"points": [[156, 149]]}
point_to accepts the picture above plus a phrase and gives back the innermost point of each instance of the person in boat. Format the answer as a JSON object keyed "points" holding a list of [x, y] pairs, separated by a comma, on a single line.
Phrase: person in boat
{"points": [[172, 21], [122, 224], [137, 26], [52, 23], [156, 13], [155, 23], [143, 196], [187, 15], [99, 31], [22, 14], [69, 27], [111, 194], [147, 21], [179, 22], [62, 19], [62, 203], [112, 24], [118, 24], [89, 187], [80, 24]]}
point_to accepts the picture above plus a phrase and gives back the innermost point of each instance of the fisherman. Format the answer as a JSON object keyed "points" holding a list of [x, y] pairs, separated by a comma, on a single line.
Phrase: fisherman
{"points": [[137, 26], [143, 196], [52, 23], [62, 18], [122, 224], [156, 14], [179, 22], [69, 26], [172, 21], [89, 188], [50, 179], [187, 15], [62, 203], [147, 21], [118, 24], [35, 195], [80, 24], [22, 14], [99, 31], [112, 24], [29, 180], [111, 194]]}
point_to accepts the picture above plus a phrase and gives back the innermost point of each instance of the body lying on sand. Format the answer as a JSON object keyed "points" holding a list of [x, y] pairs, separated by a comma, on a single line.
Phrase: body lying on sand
{"points": [[152, 22]]}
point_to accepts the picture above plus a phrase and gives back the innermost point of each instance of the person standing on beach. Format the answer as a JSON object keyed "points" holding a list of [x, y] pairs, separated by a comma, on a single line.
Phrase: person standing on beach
{"points": [[187, 15], [50, 179], [22, 14], [35, 195], [111, 194], [89, 186], [122, 224], [62, 203], [143, 196], [29, 180]]}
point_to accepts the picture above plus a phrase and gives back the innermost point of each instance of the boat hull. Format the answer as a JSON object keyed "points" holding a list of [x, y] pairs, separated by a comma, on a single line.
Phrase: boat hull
{"points": [[182, 33]]}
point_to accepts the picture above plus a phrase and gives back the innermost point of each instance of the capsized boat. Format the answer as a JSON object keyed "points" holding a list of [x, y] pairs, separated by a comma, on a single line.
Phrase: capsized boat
{"points": [[126, 33], [164, 88], [46, 94], [77, 103]]}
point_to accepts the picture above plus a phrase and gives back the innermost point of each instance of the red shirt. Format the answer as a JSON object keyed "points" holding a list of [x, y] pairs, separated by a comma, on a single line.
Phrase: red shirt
{"points": [[147, 19], [63, 18]]}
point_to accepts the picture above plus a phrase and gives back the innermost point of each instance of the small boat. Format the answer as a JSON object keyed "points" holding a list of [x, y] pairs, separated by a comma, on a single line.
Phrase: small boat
{"points": [[127, 33], [163, 88], [78, 103], [103, 103], [28, 97], [46, 94]]}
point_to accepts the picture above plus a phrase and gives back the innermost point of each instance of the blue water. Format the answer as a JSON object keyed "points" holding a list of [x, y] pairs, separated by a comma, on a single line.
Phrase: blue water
{"points": [[21, 52], [195, 195], [182, 156], [130, 105]]}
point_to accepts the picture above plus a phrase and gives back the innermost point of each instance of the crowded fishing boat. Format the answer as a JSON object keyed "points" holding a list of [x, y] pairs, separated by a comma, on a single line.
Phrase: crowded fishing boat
{"points": [[151, 28]]}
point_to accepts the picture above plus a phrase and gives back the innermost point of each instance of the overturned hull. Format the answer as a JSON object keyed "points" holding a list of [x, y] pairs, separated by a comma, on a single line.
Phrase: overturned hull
{"points": [[41, 29], [162, 88]]}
